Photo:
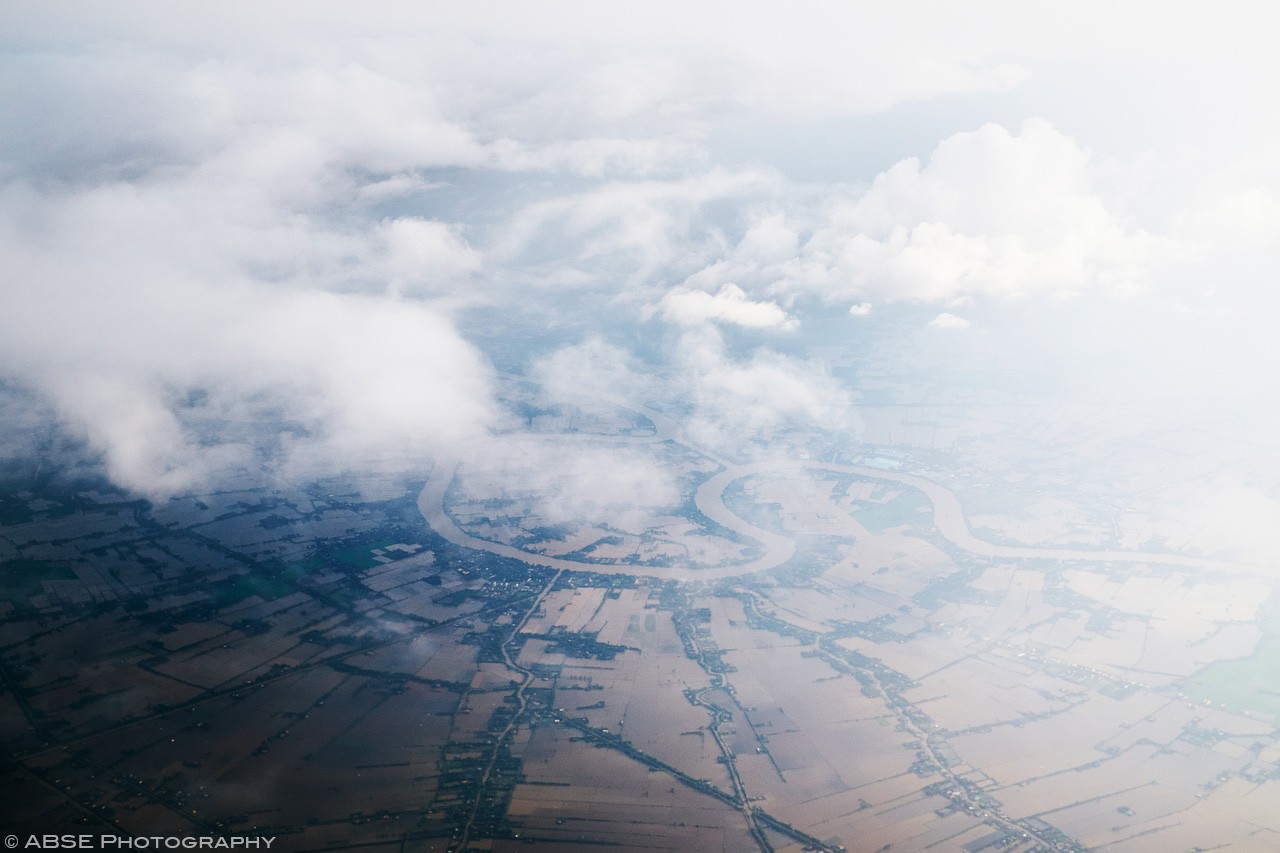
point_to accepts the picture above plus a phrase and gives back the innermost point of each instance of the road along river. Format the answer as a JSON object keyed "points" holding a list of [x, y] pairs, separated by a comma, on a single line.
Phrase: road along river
{"points": [[948, 517]]}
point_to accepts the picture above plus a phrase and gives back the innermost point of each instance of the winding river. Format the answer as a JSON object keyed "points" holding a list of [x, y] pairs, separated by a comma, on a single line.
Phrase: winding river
{"points": [[948, 516]]}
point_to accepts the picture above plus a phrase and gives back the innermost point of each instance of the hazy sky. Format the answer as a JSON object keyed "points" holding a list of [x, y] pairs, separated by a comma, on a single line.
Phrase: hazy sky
{"points": [[303, 218]]}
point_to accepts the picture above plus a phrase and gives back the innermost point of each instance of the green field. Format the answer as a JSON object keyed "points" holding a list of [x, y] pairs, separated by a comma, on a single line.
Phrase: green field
{"points": [[908, 508], [1244, 684]]}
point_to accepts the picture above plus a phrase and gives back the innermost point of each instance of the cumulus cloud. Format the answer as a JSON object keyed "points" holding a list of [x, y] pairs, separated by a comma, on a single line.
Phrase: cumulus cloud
{"points": [[175, 381], [557, 483], [768, 259], [729, 305], [989, 213], [724, 403], [736, 402], [593, 373], [226, 249], [211, 299], [948, 321], [422, 256]]}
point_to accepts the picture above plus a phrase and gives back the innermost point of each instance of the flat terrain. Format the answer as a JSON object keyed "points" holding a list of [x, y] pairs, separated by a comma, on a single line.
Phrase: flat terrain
{"points": [[854, 647]]}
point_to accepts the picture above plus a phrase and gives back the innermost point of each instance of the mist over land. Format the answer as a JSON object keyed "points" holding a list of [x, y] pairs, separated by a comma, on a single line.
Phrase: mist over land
{"points": [[908, 371]]}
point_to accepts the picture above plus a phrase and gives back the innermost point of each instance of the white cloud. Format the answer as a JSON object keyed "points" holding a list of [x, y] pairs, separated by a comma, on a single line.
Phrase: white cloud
{"points": [[557, 483], [989, 213], [212, 232], [729, 305], [726, 404], [740, 401], [632, 230], [767, 260], [949, 321], [423, 256], [198, 301], [343, 375], [593, 372], [1237, 218]]}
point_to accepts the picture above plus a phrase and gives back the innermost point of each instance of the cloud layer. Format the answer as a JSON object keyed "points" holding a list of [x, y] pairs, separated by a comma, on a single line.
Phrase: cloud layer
{"points": [[227, 249]]}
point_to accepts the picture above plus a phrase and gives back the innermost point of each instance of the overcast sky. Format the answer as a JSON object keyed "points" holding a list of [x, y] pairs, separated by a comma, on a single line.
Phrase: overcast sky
{"points": [[247, 238]]}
